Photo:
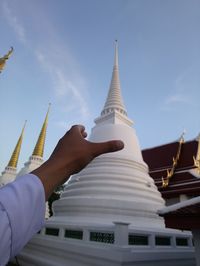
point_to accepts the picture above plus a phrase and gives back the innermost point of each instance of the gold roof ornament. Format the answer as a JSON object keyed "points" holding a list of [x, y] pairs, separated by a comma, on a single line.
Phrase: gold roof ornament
{"points": [[170, 172], [5, 58], [197, 159], [15, 155], [39, 147]]}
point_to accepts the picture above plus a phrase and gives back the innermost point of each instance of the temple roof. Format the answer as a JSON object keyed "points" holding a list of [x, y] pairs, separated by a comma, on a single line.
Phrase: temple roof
{"points": [[166, 152], [183, 215], [181, 183], [185, 175]]}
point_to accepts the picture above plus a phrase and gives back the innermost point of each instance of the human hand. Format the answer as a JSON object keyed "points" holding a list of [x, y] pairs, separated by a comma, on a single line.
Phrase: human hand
{"points": [[72, 153]]}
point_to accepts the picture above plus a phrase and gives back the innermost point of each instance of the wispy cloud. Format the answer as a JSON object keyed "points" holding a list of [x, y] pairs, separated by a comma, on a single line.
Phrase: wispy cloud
{"points": [[65, 86], [177, 98], [53, 57], [14, 22], [182, 90]]}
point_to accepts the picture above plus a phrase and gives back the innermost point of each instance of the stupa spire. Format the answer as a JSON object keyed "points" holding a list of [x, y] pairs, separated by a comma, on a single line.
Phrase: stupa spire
{"points": [[39, 147], [116, 54], [15, 155], [114, 101]]}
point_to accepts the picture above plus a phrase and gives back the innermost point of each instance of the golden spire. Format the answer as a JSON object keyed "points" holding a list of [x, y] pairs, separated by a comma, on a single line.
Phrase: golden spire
{"points": [[39, 147], [15, 156], [5, 58]]}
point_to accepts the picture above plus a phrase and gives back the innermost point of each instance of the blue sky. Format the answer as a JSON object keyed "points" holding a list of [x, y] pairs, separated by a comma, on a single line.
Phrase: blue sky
{"points": [[64, 55]]}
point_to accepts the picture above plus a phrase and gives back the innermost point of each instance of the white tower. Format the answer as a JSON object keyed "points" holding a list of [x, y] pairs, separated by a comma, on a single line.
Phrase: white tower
{"points": [[107, 215], [114, 186]]}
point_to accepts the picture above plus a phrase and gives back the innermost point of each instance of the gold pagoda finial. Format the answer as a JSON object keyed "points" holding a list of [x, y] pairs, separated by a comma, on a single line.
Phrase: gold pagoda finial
{"points": [[197, 159], [5, 58], [39, 147], [15, 156]]}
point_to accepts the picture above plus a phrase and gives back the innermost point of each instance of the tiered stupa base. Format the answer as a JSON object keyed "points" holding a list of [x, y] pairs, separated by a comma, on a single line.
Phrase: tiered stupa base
{"points": [[98, 247]]}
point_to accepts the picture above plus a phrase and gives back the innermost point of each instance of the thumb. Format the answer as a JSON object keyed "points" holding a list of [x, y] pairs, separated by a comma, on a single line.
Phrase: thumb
{"points": [[105, 147]]}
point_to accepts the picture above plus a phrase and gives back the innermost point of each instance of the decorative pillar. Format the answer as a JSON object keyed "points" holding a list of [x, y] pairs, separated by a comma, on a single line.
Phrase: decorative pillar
{"points": [[121, 233]]}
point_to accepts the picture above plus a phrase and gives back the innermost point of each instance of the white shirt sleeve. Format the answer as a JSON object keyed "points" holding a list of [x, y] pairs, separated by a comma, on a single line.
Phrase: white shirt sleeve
{"points": [[22, 214]]}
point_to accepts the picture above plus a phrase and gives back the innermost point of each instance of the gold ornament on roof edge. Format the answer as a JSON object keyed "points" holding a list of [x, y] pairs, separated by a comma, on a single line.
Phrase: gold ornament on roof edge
{"points": [[197, 159], [170, 172], [5, 58]]}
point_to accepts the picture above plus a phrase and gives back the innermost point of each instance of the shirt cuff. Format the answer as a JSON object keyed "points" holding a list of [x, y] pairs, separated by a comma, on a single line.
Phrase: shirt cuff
{"points": [[24, 202]]}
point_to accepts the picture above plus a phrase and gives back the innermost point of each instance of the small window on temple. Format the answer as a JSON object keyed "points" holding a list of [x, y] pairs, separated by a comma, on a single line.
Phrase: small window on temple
{"points": [[181, 241], [163, 241], [73, 234], [52, 231], [138, 240], [102, 237]]}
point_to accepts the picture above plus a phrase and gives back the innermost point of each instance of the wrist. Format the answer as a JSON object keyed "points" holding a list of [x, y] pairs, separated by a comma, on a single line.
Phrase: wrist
{"points": [[51, 176]]}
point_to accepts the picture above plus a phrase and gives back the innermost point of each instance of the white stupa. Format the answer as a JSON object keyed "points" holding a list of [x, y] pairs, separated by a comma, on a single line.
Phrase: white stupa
{"points": [[10, 172], [107, 214], [118, 183]]}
